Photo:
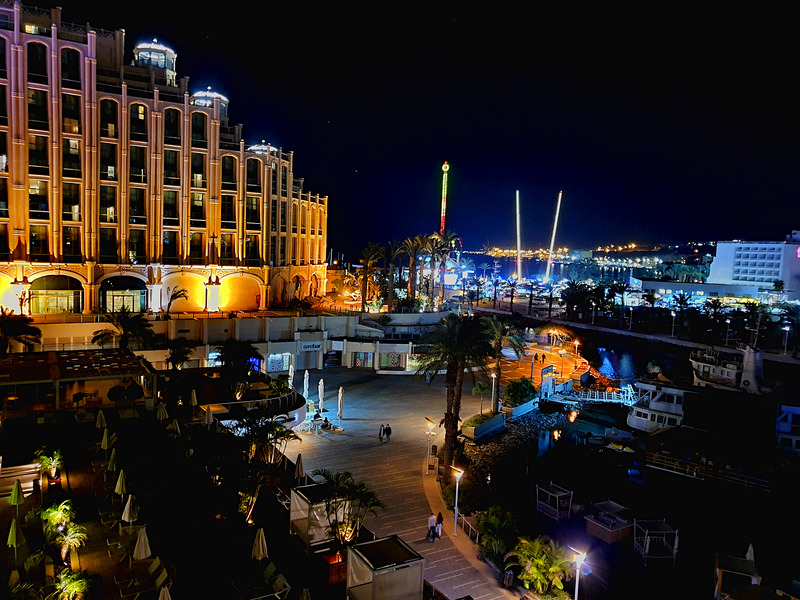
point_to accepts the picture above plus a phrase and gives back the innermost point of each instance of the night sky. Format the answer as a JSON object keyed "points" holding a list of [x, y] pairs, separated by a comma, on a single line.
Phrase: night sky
{"points": [[658, 126]]}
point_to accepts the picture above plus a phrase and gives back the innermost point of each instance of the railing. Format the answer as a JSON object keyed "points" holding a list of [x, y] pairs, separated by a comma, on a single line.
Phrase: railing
{"points": [[626, 396], [468, 528], [700, 471]]}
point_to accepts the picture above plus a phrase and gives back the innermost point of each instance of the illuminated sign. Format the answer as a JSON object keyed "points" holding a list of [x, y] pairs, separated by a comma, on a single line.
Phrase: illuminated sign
{"points": [[310, 346]]}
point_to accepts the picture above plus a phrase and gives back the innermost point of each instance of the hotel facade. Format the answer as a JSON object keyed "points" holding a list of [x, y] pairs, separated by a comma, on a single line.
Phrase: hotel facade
{"points": [[119, 185]]}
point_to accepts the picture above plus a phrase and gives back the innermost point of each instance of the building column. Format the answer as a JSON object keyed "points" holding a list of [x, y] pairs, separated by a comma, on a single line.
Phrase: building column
{"points": [[154, 297], [90, 299], [376, 360]]}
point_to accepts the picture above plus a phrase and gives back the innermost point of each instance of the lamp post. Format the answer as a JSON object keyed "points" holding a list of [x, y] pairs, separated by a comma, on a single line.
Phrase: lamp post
{"points": [[579, 558], [561, 353], [494, 391], [21, 289], [459, 473], [577, 343], [594, 311], [429, 434], [673, 323], [786, 331], [728, 332], [630, 320]]}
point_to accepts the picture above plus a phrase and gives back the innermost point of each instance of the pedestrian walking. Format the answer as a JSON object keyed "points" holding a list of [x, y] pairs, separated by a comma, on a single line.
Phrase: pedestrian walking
{"points": [[387, 432], [439, 525], [431, 534], [535, 357], [381, 433]]}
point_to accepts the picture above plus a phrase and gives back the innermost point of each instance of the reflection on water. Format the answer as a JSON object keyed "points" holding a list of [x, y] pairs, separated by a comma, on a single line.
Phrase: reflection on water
{"points": [[617, 365]]}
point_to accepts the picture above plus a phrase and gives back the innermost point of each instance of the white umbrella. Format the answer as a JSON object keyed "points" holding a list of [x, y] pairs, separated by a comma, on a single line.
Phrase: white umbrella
{"points": [[305, 385], [142, 548], [305, 594], [207, 418], [174, 427], [130, 512], [291, 376], [259, 545], [122, 487], [101, 420], [112, 461], [298, 467], [13, 579], [751, 553], [161, 412], [321, 395], [104, 441], [341, 403], [193, 402], [164, 594]]}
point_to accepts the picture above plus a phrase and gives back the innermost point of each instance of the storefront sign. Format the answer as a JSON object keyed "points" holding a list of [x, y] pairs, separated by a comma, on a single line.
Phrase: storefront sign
{"points": [[310, 346]]}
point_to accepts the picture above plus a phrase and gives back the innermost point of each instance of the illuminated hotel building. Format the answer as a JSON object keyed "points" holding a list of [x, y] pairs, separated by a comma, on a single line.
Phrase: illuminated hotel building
{"points": [[118, 185]]}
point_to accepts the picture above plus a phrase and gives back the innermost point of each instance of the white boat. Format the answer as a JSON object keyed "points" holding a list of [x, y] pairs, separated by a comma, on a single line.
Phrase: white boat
{"points": [[725, 371], [657, 407]]}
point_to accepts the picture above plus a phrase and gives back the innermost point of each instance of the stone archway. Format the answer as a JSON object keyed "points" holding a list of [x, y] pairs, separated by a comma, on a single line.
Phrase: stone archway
{"points": [[56, 294], [119, 291]]}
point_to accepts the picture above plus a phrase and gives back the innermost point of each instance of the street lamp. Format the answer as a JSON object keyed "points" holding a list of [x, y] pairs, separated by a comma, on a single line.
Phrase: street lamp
{"points": [[429, 434], [673, 322], [579, 558], [494, 391], [459, 473], [630, 321], [561, 353], [21, 289], [728, 332], [594, 311], [577, 343], [786, 331]]}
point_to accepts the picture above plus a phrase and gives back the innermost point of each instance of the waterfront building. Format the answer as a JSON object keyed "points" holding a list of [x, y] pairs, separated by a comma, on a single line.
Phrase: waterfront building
{"points": [[119, 184]]}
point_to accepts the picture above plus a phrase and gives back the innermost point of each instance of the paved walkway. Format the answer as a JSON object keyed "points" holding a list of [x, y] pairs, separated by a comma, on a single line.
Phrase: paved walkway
{"points": [[396, 470]]}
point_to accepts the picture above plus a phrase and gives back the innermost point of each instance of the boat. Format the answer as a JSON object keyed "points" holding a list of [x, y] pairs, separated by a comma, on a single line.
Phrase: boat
{"points": [[658, 406], [726, 371]]}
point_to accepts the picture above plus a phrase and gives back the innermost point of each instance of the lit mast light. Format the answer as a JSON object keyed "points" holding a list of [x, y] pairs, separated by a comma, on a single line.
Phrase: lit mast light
{"points": [[553, 239], [519, 245], [445, 169]]}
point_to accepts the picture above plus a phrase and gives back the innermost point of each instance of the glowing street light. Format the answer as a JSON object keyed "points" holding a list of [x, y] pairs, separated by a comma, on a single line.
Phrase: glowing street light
{"points": [[673, 322], [786, 331], [430, 434], [459, 473], [577, 343], [579, 558], [728, 332], [594, 311], [494, 389]]}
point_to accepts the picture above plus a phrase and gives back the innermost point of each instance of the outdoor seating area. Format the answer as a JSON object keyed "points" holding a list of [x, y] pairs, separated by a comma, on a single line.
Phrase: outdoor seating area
{"points": [[655, 539], [271, 585], [384, 569], [554, 501], [308, 517], [607, 523]]}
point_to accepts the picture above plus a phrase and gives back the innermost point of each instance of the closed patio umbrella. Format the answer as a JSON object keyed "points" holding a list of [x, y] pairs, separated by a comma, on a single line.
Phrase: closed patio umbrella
{"points": [[164, 594], [321, 395], [101, 420], [122, 487], [161, 412], [305, 594], [104, 443], [193, 398], [174, 427], [130, 512], [298, 468], [111, 465], [259, 545], [341, 404], [15, 537], [142, 548], [305, 385], [291, 376], [207, 418], [17, 497]]}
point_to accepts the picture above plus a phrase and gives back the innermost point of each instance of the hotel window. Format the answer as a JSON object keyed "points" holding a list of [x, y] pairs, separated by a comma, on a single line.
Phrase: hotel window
{"points": [[198, 170], [39, 243], [271, 258], [71, 158], [251, 250], [5, 23], [71, 68], [108, 245], [37, 110], [282, 252], [172, 127], [37, 199], [273, 215], [170, 247], [303, 214], [252, 219], [3, 153], [136, 246], [71, 244], [273, 173], [171, 168], [108, 118], [138, 170], [228, 212], [226, 249], [196, 248], [37, 63], [283, 216], [294, 217], [197, 210], [199, 130], [284, 179], [108, 204], [138, 122], [253, 171], [37, 155], [108, 162], [3, 103], [228, 172], [70, 113], [71, 202], [136, 204], [171, 217], [3, 198]]}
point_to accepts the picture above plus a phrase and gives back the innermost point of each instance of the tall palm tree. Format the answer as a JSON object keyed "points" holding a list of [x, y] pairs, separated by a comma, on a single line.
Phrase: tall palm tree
{"points": [[457, 344], [348, 504], [681, 301], [72, 538], [442, 243], [180, 351], [17, 328], [175, 293], [481, 388], [369, 263], [390, 253], [128, 327], [501, 333], [573, 294], [412, 247], [484, 266]]}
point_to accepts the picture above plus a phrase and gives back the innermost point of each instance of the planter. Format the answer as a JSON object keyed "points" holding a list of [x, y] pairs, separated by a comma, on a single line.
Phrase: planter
{"points": [[491, 427], [512, 412], [336, 563]]}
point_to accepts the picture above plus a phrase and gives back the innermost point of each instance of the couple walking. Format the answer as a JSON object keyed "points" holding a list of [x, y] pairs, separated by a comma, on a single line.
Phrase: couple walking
{"points": [[384, 432], [434, 527]]}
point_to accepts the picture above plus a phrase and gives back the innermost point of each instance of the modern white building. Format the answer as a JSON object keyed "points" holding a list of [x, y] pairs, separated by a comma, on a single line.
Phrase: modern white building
{"points": [[759, 263]]}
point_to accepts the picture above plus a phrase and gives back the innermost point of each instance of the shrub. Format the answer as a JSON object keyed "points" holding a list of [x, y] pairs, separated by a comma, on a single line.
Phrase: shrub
{"points": [[476, 420]]}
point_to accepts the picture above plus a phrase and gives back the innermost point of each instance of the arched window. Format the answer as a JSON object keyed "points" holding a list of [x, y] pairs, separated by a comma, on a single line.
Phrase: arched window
{"points": [[37, 63], [71, 68], [253, 174], [199, 139], [172, 126], [108, 118], [138, 122], [229, 170]]}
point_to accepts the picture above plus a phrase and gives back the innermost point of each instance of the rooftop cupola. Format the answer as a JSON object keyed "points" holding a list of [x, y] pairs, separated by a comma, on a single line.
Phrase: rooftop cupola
{"points": [[207, 97], [152, 55]]}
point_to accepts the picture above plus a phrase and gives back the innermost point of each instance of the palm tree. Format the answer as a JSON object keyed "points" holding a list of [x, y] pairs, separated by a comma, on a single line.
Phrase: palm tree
{"points": [[412, 247], [501, 333], [457, 344], [180, 351], [573, 294], [390, 253], [72, 538], [348, 504], [681, 301], [544, 564], [484, 266], [70, 586], [57, 516], [128, 327], [369, 260], [238, 359], [442, 243], [481, 388], [495, 528], [175, 293], [17, 328]]}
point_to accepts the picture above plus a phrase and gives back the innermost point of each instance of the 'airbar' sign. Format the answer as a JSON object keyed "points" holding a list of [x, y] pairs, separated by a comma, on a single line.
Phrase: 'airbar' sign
{"points": [[310, 346]]}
